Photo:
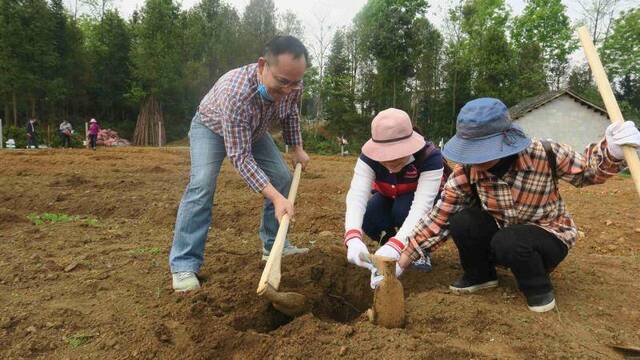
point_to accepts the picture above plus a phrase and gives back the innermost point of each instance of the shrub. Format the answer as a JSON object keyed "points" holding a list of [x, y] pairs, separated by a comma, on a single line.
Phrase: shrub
{"points": [[18, 134]]}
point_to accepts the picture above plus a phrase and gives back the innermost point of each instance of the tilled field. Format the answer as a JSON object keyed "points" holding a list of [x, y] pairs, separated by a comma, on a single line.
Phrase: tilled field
{"points": [[96, 284]]}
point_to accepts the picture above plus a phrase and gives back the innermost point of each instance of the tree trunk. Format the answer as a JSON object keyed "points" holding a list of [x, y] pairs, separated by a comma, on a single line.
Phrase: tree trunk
{"points": [[15, 109], [32, 101], [394, 89], [453, 101]]}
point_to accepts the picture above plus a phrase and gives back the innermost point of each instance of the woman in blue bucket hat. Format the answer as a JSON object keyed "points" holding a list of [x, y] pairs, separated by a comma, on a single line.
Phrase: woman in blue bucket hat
{"points": [[501, 204]]}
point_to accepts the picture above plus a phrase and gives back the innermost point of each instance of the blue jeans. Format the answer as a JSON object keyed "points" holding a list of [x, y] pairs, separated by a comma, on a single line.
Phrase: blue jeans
{"points": [[385, 214], [194, 215]]}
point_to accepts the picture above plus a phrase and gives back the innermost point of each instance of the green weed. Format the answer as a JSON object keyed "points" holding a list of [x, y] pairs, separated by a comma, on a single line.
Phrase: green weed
{"points": [[145, 250], [78, 340]]}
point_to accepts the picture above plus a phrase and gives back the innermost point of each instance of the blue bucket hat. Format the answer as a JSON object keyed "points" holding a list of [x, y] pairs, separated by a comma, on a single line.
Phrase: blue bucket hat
{"points": [[484, 132]]}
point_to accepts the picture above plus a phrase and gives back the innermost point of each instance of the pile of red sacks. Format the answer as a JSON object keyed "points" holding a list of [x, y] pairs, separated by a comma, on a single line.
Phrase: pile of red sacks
{"points": [[108, 137]]}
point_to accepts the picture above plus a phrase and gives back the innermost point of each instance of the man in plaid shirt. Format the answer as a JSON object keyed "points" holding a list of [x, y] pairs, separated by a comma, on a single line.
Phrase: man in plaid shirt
{"points": [[501, 204], [233, 120]]}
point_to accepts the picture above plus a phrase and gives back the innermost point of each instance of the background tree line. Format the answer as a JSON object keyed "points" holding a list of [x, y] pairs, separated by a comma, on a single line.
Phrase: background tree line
{"points": [[55, 64]]}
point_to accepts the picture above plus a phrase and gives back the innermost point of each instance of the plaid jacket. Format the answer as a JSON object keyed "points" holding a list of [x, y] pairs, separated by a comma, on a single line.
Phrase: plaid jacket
{"points": [[526, 194], [234, 109]]}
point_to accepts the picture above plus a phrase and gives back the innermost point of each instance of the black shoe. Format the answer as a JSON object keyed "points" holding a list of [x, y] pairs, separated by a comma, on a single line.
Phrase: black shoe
{"points": [[541, 302], [464, 285]]}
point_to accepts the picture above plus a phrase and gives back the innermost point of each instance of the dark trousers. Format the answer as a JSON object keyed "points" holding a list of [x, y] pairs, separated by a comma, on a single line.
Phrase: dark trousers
{"points": [[528, 250], [32, 140], [92, 140], [66, 140], [385, 214]]}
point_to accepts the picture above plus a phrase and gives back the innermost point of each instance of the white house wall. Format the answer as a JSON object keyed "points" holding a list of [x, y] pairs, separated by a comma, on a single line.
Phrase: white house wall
{"points": [[566, 121]]}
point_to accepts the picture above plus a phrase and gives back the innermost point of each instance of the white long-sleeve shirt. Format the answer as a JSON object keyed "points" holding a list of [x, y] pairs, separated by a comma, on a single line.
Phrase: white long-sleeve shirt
{"points": [[360, 192]]}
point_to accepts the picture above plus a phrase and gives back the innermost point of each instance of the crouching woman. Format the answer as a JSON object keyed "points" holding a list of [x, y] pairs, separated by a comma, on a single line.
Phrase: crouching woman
{"points": [[501, 205], [396, 180]]}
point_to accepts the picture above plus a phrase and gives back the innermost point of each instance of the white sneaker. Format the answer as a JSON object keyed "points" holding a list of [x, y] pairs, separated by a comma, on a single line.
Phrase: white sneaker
{"points": [[185, 281], [289, 250]]}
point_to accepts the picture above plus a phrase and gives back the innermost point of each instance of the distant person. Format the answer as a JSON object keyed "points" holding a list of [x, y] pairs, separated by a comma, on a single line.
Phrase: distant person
{"points": [[233, 120], [502, 206], [94, 129], [32, 133], [65, 133]]}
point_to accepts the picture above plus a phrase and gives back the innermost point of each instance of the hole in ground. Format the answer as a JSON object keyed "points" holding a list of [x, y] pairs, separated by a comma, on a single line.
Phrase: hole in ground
{"points": [[342, 308], [343, 291], [336, 292], [269, 319]]}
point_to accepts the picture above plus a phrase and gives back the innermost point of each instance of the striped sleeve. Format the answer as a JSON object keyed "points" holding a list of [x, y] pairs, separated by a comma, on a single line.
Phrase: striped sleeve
{"points": [[594, 166], [291, 131], [237, 143], [432, 228]]}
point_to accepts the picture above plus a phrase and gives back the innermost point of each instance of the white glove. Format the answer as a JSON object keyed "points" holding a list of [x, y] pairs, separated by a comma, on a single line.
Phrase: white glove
{"points": [[621, 133], [388, 251], [355, 247], [376, 278]]}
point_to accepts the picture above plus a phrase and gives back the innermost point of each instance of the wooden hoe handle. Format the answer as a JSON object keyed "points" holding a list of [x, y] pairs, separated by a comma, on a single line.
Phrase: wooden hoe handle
{"points": [[610, 102], [271, 273]]}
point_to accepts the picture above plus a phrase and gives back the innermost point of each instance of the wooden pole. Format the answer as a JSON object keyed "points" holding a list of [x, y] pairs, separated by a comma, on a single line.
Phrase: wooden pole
{"points": [[159, 134], [271, 273], [604, 87], [1, 138]]}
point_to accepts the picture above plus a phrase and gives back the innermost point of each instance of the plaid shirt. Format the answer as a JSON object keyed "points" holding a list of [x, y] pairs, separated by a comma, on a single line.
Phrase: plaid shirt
{"points": [[234, 109], [525, 194]]}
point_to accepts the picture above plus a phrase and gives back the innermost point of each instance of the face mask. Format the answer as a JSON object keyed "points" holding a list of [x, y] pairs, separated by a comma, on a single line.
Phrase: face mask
{"points": [[264, 93]]}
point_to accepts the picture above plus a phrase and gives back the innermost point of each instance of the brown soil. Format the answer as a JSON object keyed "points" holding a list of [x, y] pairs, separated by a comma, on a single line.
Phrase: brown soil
{"points": [[101, 290]]}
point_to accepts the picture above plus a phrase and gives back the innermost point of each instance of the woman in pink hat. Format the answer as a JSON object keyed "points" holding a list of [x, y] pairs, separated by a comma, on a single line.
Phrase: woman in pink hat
{"points": [[94, 129], [396, 181]]}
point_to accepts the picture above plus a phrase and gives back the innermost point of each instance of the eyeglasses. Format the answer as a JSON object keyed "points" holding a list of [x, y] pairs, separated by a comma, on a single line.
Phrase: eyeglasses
{"points": [[286, 83]]}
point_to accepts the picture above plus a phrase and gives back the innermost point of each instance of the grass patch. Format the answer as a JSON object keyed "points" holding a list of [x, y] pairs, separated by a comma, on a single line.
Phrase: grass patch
{"points": [[145, 250], [78, 340], [626, 173], [91, 222], [53, 218]]}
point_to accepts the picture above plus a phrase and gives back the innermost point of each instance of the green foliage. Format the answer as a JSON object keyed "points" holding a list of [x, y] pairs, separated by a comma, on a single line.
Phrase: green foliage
{"points": [[387, 34], [157, 60], [51, 218], [92, 222], [145, 250], [530, 76], [487, 50], [108, 48], [18, 134], [622, 61], [76, 140], [622, 47], [340, 100], [289, 24], [54, 66], [545, 23], [78, 340], [258, 27]]}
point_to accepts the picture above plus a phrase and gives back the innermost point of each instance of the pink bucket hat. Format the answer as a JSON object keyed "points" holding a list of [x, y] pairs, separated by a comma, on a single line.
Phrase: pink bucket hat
{"points": [[392, 136], [92, 120]]}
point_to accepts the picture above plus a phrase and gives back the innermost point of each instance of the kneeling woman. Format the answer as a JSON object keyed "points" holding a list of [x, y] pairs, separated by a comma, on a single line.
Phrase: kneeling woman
{"points": [[396, 181]]}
